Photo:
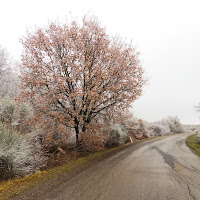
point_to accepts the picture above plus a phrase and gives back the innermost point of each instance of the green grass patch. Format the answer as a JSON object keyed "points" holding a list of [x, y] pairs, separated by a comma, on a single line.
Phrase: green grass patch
{"points": [[192, 142]]}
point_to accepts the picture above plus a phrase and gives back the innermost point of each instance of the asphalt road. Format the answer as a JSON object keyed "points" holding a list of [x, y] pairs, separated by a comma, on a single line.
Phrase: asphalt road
{"points": [[163, 169]]}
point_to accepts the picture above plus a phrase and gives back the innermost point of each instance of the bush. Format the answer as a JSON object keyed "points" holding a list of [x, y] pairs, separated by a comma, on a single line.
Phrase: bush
{"points": [[166, 126], [19, 155], [197, 131], [141, 130], [113, 139], [155, 130], [158, 129], [6, 168], [138, 130], [37, 158], [7, 108], [115, 135], [91, 141], [16, 115], [174, 124]]}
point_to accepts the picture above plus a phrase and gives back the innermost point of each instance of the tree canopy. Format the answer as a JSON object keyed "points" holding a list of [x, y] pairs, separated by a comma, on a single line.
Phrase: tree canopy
{"points": [[73, 72]]}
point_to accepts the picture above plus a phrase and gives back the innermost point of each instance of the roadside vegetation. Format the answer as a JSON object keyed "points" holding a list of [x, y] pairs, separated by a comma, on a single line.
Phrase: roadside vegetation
{"points": [[14, 186], [193, 128], [193, 141]]}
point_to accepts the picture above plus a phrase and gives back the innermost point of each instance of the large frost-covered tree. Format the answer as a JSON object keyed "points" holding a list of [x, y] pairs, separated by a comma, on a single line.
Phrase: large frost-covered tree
{"points": [[74, 72]]}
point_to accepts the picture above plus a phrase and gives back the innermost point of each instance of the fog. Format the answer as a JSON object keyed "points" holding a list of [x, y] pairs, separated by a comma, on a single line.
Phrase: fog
{"points": [[166, 33]]}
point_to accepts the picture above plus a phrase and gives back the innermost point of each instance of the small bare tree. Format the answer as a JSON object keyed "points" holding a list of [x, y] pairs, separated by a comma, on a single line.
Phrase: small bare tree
{"points": [[4, 67], [198, 107], [8, 79]]}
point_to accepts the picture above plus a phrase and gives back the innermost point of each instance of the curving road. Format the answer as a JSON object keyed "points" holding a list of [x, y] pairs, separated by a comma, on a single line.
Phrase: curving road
{"points": [[160, 169]]}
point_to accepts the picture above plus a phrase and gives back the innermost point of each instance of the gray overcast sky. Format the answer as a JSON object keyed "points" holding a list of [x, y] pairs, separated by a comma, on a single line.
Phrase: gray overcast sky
{"points": [[165, 32]]}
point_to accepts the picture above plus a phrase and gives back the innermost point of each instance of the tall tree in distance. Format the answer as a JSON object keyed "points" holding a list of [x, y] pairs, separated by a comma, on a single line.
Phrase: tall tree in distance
{"points": [[74, 72], [8, 75], [4, 68]]}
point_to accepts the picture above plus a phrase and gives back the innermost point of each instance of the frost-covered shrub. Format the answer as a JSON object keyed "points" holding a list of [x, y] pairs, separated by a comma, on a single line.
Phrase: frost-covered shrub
{"points": [[14, 152], [115, 135], [166, 126], [7, 108], [23, 114], [19, 155], [25, 111], [113, 139], [174, 124], [197, 131], [141, 129], [165, 129], [138, 130], [155, 130], [158, 129], [15, 114], [37, 158], [6, 168]]}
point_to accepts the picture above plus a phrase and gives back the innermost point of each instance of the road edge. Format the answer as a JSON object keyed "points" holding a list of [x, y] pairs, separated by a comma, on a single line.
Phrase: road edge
{"points": [[192, 143]]}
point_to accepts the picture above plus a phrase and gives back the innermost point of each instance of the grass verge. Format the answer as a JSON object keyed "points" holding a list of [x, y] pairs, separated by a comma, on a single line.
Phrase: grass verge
{"points": [[192, 142]]}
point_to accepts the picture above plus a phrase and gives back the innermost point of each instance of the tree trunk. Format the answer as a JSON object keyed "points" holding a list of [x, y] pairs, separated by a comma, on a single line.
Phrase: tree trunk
{"points": [[84, 128], [79, 143], [77, 138]]}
